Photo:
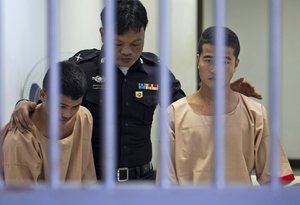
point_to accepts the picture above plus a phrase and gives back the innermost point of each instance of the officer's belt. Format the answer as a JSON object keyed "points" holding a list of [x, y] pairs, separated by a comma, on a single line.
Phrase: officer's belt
{"points": [[127, 173]]}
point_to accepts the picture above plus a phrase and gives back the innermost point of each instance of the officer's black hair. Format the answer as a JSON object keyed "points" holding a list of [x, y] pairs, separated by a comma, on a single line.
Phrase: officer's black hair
{"points": [[130, 15], [73, 80], [231, 39]]}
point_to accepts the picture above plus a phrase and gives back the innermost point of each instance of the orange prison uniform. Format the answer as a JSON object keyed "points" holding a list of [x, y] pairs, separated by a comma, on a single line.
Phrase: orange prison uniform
{"points": [[25, 156], [247, 144]]}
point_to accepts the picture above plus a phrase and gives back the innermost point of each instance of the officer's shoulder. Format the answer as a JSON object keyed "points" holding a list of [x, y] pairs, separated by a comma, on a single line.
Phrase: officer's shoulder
{"points": [[150, 58], [85, 55]]}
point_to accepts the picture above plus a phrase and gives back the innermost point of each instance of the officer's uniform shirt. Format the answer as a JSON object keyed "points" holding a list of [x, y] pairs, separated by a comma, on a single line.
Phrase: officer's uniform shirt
{"points": [[137, 98]]}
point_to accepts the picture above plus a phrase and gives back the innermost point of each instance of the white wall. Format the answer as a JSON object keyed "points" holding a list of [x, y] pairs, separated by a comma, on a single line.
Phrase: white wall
{"points": [[24, 39], [249, 19], [79, 25], [290, 78]]}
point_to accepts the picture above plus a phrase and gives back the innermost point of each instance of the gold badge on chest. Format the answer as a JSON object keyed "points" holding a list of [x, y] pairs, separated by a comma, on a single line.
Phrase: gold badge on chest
{"points": [[138, 94]]}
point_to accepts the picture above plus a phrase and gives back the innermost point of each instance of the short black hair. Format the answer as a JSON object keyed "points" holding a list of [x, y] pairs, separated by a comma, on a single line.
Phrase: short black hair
{"points": [[73, 80], [130, 15], [231, 39]]}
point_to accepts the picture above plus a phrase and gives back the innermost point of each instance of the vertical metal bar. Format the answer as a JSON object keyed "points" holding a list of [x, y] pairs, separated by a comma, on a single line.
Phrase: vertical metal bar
{"points": [[53, 122], [1, 84], [164, 94], [109, 96], [219, 129], [274, 86]]}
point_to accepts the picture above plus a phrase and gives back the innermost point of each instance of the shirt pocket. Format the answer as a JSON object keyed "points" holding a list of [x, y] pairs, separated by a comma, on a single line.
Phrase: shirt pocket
{"points": [[146, 106]]}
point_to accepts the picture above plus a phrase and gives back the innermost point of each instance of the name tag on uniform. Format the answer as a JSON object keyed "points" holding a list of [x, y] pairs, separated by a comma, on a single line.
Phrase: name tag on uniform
{"points": [[97, 86]]}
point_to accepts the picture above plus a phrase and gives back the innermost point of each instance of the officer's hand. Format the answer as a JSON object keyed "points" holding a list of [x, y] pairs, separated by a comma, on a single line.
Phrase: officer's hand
{"points": [[244, 87], [20, 117]]}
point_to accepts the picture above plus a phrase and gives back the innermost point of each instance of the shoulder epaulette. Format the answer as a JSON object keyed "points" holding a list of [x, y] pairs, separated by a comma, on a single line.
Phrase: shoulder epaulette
{"points": [[85, 55], [150, 58]]}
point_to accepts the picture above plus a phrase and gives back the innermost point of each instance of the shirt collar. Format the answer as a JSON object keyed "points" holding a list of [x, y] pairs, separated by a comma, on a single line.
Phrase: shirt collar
{"points": [[138, 65]]}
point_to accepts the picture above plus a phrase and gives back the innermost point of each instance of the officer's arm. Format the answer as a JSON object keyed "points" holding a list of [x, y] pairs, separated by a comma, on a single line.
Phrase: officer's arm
{"points": [[177, 92], [244, 87], [20, 116]]}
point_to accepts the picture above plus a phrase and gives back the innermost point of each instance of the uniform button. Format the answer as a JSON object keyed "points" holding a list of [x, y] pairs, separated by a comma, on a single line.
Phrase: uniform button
{"points": [[124, 147], [126, 124], [127, 103]]}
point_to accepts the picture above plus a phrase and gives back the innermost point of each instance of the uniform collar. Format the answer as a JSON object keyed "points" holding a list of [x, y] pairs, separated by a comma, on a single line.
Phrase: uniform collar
{"points": [[138, 65]]}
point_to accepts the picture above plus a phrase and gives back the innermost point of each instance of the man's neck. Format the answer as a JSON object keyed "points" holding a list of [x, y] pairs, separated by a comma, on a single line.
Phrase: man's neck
{"points": [[203, 101], [40, 120]]}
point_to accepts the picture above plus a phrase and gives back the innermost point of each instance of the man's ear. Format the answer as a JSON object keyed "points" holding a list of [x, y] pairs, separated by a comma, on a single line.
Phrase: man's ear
{"points": [[101, 31], [42, 95], [236, 64], [197, 59]]}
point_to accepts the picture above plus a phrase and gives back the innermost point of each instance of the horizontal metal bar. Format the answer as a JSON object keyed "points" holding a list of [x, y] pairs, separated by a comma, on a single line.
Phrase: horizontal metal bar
{"points": [[145, 195]]}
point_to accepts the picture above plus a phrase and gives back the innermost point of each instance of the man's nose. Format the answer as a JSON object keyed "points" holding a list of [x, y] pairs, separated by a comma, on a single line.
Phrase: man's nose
{"points": [[67, 113], [126, 50], [212, 68]]}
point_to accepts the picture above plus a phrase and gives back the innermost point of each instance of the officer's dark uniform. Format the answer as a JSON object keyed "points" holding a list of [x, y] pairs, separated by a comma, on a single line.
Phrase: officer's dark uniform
{"points": [[137, 98]]}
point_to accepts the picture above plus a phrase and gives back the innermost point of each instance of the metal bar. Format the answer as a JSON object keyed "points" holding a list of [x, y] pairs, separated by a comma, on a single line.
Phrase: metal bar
{"points": [[109, 97], [219, 129], [1, 84], [164, 94], [274, 87], [149, 196], [53, 123]]}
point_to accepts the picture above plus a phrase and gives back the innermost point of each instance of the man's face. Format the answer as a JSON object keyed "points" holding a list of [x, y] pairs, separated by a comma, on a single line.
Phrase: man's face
{"points": [[129, 47], [206, 65], [68, 108]]}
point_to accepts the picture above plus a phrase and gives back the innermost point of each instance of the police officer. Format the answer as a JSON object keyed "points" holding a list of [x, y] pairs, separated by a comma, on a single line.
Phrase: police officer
{"points": [[137, 88], [137, 91], [137, 98]]}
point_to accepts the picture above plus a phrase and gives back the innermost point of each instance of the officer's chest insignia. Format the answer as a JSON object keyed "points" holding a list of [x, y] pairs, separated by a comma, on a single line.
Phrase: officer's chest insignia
{"points": [[148, 86], [102, 60], [138, 94], [99, 80]]}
